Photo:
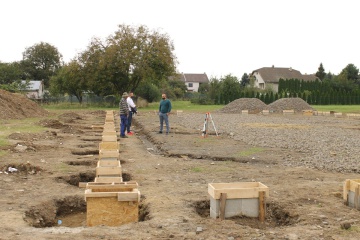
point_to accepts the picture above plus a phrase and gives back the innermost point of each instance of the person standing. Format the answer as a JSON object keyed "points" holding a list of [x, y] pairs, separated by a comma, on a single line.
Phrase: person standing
{"points": [[164, 111], [132, 106], [124, 113]]}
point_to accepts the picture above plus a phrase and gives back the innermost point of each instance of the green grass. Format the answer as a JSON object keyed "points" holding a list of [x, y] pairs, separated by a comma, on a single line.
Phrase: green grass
{"points": [[249, 152], [27, 125], [196, 169], [338, 108], [185, 106]]}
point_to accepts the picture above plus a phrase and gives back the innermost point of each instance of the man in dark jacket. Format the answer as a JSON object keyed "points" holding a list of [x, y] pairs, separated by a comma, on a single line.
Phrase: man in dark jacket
{"points": [[124, 113], [164, 111]]}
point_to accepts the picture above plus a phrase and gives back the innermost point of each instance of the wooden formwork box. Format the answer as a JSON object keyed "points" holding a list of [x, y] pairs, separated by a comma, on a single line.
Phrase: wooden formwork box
{"points": [[238, 198], [351, 193], [110, 132], [108, 163], [106, 146], [244, 112], [265, 112], [109, 138], [110, 171], [288, 112], [112, 204], [109, 155], [109, 119], [109, 126], [307, 112]]}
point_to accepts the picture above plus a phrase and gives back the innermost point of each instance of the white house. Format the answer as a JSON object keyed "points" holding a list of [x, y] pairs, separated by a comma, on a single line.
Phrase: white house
{"points": [[35, 89], [193, 80], [270, 76]]}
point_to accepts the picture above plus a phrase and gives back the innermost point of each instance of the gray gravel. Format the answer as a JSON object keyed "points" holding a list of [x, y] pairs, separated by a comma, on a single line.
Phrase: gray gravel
{"points": [[327, 142]]}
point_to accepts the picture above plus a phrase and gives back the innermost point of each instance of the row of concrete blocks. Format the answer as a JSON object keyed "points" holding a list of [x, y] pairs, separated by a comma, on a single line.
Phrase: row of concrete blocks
{"points": [[110, 201]]}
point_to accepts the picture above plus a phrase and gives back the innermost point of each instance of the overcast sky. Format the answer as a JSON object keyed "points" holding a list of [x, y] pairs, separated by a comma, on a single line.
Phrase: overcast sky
{"points": [[215, 37]]}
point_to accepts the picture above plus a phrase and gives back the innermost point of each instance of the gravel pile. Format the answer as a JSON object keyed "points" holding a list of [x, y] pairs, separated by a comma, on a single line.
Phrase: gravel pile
{"points": [[323, 142], [296, 104], [253, 105]]}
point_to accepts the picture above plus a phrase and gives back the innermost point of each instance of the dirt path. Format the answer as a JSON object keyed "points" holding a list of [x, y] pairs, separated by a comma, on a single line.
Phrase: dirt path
{"points": [[173, 173]]}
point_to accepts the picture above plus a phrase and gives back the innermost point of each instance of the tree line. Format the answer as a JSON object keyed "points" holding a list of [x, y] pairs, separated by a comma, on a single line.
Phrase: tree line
{"points": [[328, 89]]}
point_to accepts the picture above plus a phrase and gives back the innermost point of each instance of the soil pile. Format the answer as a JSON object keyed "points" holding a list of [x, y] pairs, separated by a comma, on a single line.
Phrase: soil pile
{"points": [[17, 106], [253, 105], [296, 104]]}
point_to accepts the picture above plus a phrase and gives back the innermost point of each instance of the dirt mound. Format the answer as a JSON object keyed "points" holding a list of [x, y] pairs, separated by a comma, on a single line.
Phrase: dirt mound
{"points": [[253, 105], [296, 104], [17, 106]]}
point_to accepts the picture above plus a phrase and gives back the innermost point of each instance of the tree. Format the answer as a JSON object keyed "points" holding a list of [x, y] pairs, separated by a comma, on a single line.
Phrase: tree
{"points": [[41, 62], [214, 90], [245, 79], [69, 80], [350, 72], [321, 72], [10, 72], [230, 88], [128, 58]]}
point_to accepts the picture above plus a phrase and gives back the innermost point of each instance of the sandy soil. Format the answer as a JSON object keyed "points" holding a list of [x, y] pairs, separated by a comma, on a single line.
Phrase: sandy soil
{"points": [[173, 172]]}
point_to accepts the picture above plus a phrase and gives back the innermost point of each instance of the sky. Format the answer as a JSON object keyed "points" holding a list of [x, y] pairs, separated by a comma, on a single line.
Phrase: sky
{"points": [[213, 37]]}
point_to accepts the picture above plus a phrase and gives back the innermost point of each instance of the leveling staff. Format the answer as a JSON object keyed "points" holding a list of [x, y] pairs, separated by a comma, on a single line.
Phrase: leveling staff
{"points": [[164, 111]]}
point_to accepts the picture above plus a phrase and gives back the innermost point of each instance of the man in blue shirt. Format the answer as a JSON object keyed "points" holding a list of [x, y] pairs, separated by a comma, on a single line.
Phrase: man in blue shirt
{"points": [[164, 111]]}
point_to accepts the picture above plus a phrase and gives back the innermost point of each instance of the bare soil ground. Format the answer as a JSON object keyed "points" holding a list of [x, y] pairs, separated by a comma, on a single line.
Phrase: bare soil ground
{"points": [[42, 200]]}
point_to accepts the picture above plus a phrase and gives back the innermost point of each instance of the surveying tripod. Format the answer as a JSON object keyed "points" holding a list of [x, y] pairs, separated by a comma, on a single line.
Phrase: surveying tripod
{"points": [[206, 124]]}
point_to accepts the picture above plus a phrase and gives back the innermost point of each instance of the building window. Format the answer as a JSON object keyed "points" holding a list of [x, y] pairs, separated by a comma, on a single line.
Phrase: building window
{"points": [[190, 85], [262, 86]]}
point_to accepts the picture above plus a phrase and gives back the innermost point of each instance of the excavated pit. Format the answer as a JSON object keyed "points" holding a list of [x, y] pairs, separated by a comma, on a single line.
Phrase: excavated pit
{"points": [[276, 215]]}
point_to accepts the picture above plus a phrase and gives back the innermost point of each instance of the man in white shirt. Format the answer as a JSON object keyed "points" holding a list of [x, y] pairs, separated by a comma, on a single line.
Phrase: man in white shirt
{"points": [[132, 109]]}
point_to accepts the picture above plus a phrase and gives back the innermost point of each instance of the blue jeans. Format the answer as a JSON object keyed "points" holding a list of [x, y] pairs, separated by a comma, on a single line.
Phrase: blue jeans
{"points": [[164, 117], [123, 123], [129, 122]]}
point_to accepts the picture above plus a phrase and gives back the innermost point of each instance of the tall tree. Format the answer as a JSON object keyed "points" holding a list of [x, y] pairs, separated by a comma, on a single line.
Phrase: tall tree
{"points": [[10, 72], [127, 58], [245, 79], [321, 72], [230, 88], [69, 80], [41, 61]]}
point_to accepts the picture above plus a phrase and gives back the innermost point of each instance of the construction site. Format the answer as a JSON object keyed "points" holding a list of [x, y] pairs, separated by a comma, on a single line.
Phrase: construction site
{"points": [[246, 171]]}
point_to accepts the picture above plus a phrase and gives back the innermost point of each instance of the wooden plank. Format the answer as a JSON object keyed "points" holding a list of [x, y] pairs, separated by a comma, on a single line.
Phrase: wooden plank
{"points": [[356, 198], [129, 196], [354, 183], [262, 206], [132, 184], [106, 133], [108, 154], [109, 138], [113, 171], [108, 163], [237, 190], [108, 186], [108, 211], [222, 205], [82, 184], [108, 180], [346, 189], [108, 146]]}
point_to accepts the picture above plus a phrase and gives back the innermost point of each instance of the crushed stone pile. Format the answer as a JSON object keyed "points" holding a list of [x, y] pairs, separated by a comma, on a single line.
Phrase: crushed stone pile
{"points": [[296, 104], [18, 106], [253, 105]]}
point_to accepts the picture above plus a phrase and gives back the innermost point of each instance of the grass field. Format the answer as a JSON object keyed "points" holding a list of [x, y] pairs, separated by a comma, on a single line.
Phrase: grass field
{"points": [[338, 108], [190, 107]]}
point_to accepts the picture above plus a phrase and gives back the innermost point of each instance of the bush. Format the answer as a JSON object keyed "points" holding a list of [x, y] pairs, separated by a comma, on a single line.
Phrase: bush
{"points": [[148, 91]]}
